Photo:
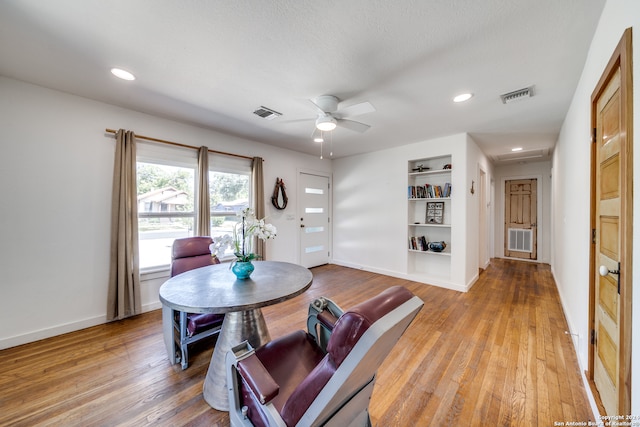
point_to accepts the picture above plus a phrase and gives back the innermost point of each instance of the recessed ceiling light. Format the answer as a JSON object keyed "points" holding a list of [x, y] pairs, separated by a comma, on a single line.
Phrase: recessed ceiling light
{"points": [[517, 149], [463, 97], [122, 74]]}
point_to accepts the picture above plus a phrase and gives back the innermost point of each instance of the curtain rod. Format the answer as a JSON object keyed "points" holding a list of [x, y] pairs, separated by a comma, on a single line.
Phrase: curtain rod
{"points": [[177, 144]]}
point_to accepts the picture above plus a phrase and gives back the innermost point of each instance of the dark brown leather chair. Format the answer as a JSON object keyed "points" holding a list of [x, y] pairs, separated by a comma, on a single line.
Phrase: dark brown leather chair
{"points": [[294, 380], [187, 328]]}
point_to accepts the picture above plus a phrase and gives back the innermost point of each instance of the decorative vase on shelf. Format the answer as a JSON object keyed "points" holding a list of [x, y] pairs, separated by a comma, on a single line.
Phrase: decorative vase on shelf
{"points": [[242, 269], [437, 246]]}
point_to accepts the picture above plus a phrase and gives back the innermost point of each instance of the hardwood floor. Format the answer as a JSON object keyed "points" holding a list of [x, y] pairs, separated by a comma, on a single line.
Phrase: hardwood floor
{"points": [[496, 355]]}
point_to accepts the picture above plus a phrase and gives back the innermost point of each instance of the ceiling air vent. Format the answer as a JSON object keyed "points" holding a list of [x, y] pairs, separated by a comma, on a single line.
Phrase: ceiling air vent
{"points": [[267, 113], [523, 155], [517, 95]]}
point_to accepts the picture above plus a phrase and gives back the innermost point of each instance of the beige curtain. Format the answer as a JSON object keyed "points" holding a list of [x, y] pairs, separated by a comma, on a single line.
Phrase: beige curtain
{"points": [[257, 190], [123, 299], [203, 217]]}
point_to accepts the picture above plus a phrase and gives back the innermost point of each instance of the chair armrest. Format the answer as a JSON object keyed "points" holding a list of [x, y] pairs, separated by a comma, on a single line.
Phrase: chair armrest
{"points": [[323, 314], [327, 319], [258, 379]]}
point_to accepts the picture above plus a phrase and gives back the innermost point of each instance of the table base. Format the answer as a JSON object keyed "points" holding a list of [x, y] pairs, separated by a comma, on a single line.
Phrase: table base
{"points": [[237, 326]]}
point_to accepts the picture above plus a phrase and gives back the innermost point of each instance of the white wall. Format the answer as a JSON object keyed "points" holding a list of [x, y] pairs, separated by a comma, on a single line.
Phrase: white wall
{"points": [[476, 160], [56, 168], [571, 166], [370, 208], [541, 171]]}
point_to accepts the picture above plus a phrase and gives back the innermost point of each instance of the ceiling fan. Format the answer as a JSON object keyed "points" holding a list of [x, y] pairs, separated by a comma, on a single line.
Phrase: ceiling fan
{"points": [[329, 116]]}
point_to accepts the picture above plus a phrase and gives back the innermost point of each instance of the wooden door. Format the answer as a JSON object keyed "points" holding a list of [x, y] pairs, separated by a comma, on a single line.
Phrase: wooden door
{"points": [[520, 218], [314, 219], [611, 182]]}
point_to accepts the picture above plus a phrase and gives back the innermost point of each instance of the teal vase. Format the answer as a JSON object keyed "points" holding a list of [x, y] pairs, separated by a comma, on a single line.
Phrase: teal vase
{"points": [[242, 269]]}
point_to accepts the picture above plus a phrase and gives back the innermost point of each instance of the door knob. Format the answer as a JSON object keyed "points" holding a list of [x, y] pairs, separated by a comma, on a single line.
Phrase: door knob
{"points": [[301, 225], [604, 271]]}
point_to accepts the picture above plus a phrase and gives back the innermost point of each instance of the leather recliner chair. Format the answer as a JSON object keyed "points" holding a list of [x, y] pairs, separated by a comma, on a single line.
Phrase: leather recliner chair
{"points": [[324, 376]]}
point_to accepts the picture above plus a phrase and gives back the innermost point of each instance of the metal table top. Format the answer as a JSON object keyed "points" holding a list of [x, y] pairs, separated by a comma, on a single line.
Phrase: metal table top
{"points": [[215, 289]]}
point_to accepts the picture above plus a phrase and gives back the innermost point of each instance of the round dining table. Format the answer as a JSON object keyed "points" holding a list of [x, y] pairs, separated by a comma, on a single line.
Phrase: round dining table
{"points": [[215, 289]]}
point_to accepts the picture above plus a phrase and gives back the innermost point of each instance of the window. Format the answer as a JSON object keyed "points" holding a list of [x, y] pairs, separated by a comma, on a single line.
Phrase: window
{"points": [[165, 210], [229, 193], [166, 179]]}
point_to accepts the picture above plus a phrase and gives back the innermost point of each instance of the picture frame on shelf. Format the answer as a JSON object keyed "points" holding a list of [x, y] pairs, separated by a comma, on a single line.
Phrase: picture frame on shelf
{"points": [[435, 213]]}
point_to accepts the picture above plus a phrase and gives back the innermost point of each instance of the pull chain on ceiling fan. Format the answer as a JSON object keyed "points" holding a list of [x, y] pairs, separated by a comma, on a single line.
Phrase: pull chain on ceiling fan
{"points": [[321, 141]]}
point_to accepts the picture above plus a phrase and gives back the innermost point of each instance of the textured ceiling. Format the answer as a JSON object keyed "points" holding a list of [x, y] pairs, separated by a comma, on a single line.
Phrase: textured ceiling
{"points": [[211, 63]]}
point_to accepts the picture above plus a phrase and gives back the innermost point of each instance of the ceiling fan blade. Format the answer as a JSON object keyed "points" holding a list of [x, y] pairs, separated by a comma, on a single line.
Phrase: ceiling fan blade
{"points": [[298, 120], [319, 108], [354, 126], [356, 110]]}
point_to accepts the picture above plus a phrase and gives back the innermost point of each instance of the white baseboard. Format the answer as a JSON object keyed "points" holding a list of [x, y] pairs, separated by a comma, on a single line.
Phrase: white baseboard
{"points": [[581, 363], [413, 277], [472, 282], [51, 332], [64, 328], [157, 305]]}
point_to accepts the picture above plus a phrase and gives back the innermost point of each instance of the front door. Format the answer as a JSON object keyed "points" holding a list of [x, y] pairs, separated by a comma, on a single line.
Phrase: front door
{"points": [[520, 218], [314, 219], [611, 253]]}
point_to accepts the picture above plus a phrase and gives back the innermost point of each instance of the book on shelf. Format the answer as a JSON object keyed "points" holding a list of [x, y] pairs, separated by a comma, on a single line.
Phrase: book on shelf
{"points": [[447, 190], [418, 243], [429, 191]]}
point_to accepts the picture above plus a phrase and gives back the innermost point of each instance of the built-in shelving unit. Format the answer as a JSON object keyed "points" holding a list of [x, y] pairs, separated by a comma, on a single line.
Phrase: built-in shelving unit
{"points": [[429, 193]]}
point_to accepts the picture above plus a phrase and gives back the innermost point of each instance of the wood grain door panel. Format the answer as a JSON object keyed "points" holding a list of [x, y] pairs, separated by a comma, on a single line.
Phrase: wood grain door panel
{"points": [[611, 219], [521, 214]]}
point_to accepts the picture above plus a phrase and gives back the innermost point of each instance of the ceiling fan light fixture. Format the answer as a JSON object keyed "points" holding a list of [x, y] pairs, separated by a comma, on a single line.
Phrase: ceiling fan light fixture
{"points": [[326, 123]]}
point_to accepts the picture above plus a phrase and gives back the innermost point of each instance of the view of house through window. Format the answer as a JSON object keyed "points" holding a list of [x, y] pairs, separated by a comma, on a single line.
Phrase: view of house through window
{"points": [[165, 210], [166, 207]]}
